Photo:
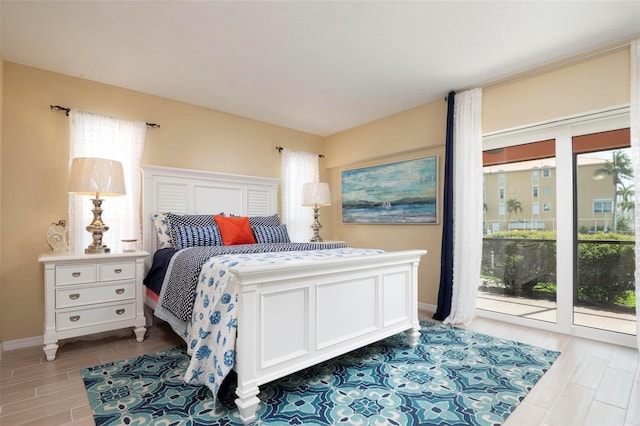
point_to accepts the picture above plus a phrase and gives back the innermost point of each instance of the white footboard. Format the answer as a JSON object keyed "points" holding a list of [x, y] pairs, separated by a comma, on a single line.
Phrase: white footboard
{"points": [[293, 317]]}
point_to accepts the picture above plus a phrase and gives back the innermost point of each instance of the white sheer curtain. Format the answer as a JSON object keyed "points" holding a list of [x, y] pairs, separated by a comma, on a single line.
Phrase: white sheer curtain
{"points": [[99, 136], [298, 168], [635, 156], [467, 205]]}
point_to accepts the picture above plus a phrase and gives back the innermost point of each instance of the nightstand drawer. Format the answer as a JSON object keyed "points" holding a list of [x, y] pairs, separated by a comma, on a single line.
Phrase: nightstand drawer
{"points": [[78, 296], [76, 274], [117, 271], [94, 315]]}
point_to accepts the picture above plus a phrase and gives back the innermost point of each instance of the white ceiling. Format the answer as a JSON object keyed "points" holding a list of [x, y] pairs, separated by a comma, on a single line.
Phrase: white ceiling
{"points": [[319, 67]]}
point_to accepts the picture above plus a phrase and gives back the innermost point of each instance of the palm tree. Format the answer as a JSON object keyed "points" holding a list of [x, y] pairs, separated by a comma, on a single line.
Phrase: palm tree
{"points": [[513, 206], [627, 203], [619, 169]]}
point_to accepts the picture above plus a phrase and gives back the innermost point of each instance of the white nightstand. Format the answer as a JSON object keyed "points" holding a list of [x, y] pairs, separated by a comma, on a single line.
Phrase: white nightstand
{"points": [[91, 293]]}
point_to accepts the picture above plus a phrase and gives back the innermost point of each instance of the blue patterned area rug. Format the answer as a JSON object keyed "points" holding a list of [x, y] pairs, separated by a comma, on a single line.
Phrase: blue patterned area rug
{"points": [[453, 377]]}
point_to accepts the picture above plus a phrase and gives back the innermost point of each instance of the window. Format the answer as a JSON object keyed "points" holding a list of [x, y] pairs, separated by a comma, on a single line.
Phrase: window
{"points": [[535, 209], [298, 168], [535, 191], [501, 187], [93, 135], [546, 190], [546, 207], [602, 206], [546, 172], [501, 210]]}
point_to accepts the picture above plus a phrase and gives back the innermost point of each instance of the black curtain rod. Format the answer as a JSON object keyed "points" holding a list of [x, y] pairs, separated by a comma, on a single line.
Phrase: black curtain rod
{"points": [[66, 112], [279, 149]]}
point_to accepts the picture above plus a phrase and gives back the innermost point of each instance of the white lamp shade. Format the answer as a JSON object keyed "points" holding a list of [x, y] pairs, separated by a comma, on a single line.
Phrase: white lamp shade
{"points": [[91, 176], [316, 194]]}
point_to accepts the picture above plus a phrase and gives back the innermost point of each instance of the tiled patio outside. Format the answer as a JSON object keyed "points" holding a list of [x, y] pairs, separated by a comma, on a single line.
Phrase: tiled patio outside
{"points": [[545, 310]]}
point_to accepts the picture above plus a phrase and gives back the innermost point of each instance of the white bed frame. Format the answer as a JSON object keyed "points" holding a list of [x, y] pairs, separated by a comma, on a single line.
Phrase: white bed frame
{"points": [[292, 317]]}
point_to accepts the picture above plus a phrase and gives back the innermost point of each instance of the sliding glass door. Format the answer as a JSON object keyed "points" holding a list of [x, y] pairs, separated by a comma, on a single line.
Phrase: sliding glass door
{"points": [[604, 296], [559, 237], [518, 275]]}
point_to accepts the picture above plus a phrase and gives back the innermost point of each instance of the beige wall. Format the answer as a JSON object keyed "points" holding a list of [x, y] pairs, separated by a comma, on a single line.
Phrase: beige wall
{"points": [[35, 158], [419, 132], [589, 85], [35, 149], [1, 102]]}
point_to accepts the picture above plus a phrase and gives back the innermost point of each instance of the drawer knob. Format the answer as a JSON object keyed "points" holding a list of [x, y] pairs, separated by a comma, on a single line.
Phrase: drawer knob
{"points": [[119, 290], [119, 311], [74, 296], [117, 271], [76, 274], [74, 318]]}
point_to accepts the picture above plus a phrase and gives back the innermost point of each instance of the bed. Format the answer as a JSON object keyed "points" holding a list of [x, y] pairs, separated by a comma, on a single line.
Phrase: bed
{"points": [[289, 309]]}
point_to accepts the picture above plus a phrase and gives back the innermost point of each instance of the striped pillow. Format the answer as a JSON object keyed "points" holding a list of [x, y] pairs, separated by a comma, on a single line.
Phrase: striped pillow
{"points": [[197, 236], [272, 220], [271, 234]]}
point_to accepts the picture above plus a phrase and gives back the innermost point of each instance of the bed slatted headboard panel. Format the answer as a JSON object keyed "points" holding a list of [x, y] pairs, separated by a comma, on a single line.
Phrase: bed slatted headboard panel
{"points": [[185, 191]]}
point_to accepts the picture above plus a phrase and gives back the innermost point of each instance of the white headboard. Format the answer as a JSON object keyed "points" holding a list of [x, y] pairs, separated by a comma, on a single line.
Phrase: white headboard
{"points": [[185, 191]]}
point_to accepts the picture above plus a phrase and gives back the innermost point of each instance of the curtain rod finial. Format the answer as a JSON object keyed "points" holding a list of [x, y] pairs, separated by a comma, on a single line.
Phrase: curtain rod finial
{"points": [[60, 108]]}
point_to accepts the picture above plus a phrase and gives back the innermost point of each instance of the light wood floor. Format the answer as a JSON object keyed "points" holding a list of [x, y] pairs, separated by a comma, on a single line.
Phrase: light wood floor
{"points": [[591, 383]]}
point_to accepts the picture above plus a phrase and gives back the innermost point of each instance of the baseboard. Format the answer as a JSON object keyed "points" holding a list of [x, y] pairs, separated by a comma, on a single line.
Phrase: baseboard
{"points": [[29, 342], [39, 340], [427, 307]]}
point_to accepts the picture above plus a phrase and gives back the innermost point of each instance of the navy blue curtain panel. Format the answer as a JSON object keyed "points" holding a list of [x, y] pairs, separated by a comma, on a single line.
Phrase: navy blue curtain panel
{"points": [[446, 259]]}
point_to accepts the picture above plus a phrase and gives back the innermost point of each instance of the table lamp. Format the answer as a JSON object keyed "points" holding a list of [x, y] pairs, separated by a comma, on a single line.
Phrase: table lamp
{"points": [[98, 177], [316, 195]]}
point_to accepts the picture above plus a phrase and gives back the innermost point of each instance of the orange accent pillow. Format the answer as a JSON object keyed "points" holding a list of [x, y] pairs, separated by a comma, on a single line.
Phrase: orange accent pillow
{"points": [[234, 230]]}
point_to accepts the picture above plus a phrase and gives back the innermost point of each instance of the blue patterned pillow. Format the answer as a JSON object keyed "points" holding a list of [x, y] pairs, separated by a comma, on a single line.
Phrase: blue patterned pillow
{"points": [[176, 220], [163, 232], [271, 234], [272, 220], [197, 236]]}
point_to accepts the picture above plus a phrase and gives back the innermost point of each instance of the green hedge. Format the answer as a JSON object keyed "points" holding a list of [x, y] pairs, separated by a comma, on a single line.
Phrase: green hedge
{"points": [[523, 259]]}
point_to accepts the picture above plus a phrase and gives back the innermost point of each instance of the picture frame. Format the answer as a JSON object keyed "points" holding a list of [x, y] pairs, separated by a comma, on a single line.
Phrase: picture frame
{"points": [[403, 192]]}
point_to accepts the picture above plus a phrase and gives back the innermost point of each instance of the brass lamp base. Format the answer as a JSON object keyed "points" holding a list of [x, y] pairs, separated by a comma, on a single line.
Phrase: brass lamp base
{"points": [[96, 250], [97, 229]]}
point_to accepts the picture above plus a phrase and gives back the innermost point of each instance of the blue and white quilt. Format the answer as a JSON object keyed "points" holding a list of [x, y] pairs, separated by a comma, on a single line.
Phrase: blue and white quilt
{"points": [[210, 332], [182, 275]]}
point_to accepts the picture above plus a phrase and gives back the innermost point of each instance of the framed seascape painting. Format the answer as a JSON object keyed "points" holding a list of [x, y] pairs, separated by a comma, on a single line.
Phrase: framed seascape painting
{"points": [[402, 192]]}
